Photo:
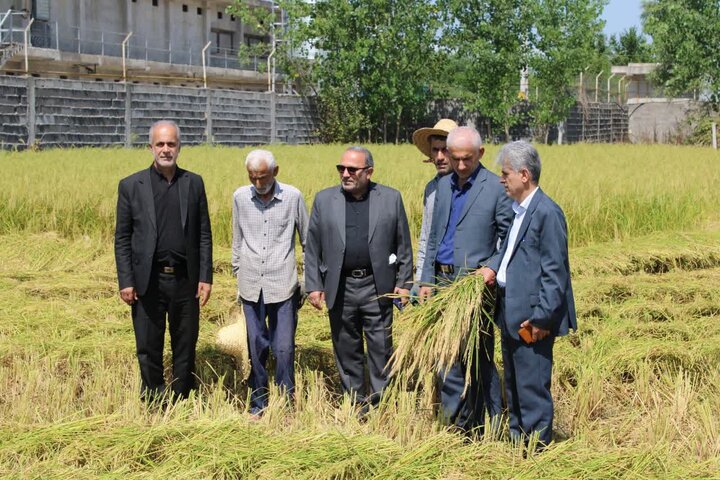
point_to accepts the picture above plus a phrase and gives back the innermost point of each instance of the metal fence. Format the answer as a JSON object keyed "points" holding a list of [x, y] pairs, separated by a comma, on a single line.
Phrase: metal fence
{"points": [[52, 35]]}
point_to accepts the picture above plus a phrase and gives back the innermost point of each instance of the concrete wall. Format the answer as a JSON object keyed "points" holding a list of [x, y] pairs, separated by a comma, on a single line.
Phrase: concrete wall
{"points": [[659, 121], [61, 113]]}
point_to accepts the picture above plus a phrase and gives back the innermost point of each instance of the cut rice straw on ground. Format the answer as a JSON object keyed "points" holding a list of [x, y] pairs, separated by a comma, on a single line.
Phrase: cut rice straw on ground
{"points": [[443, 330]]}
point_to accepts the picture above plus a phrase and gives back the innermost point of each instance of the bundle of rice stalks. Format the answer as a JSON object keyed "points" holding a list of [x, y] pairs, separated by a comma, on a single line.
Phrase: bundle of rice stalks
{"points": [[232, 340], [444, 329]]}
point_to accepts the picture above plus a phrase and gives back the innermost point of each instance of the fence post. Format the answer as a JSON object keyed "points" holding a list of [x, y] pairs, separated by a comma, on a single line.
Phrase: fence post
{"points": [[273, 119], [30, 121], [128, 115], [714, 136], [561, 128], [208, 117]]}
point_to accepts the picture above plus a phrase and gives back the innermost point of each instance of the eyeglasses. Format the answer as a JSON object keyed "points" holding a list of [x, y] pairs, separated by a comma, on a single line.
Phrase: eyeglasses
{"points": [[351, 170]]}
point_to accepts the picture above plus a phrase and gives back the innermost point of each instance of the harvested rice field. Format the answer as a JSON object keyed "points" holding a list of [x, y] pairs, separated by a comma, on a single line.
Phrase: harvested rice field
{"points": [[637, 388]]}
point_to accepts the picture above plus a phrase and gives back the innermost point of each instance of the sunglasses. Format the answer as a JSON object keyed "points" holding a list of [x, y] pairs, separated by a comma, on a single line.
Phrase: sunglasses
{"points": [[351, 170]]}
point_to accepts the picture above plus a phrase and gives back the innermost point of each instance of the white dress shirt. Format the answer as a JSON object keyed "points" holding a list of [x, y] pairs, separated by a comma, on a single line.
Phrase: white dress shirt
{"points": [[519, 209]]}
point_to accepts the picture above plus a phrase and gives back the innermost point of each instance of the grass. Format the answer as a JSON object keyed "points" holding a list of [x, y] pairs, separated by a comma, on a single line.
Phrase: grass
{"points": [[637, 389]]}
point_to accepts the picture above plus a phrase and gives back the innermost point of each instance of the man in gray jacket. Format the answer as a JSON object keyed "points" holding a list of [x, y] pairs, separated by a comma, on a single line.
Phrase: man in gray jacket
{"points": [[358, 249]]}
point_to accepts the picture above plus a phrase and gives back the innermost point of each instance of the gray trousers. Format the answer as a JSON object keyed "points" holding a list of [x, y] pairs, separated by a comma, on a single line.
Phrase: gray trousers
{"points": [[358, 312]]}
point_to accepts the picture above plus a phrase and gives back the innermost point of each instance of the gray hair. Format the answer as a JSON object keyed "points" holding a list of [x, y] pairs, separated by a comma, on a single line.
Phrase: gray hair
{"points": [[521, 155], [159, 123], [464, 133], [369, 162], [257, 157]]}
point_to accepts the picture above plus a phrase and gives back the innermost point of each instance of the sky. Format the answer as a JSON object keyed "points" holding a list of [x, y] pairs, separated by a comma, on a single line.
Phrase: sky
{"points": [[619, 15]]}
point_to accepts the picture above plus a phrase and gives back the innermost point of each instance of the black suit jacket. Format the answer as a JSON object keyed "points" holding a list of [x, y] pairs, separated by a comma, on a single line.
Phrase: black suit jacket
{"points": [[136, 229]]}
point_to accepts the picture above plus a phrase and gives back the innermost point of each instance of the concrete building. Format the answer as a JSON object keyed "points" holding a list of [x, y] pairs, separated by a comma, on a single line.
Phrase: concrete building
{"points": [[652, 117], [141, 41]]}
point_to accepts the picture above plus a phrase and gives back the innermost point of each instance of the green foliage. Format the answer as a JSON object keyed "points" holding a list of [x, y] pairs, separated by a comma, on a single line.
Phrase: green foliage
{"points": [[491, 42], [564, 38], [685, 38], [631, 46], [369, 62]]}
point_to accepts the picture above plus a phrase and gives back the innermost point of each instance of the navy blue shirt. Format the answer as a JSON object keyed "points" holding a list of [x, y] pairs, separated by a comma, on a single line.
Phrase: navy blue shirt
{"points": [[445, 252]]}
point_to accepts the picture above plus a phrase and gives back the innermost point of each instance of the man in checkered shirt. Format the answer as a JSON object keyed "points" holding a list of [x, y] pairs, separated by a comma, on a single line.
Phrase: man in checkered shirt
{"points": [[266, 216]]}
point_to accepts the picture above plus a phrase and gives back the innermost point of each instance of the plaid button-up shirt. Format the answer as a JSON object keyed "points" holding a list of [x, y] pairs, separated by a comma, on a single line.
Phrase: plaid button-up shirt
{"points": [[263, 247]]}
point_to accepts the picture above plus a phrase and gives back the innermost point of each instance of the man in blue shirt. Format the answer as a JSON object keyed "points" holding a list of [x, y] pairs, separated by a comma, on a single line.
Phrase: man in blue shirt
{"points": [[472, 215]]}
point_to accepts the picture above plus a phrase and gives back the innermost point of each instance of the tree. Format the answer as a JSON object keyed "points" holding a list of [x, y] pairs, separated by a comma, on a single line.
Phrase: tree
{"points": [[685, 37], [490, 42], [565, 34], [630, 46], [373, 60]]}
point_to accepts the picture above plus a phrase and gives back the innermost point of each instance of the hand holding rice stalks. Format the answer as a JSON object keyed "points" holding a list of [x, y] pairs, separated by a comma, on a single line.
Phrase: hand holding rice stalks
{"points": [[441, 331]]}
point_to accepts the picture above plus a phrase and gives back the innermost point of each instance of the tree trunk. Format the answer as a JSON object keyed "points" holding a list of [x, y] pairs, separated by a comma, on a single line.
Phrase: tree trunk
{"points": [[397, 126]]}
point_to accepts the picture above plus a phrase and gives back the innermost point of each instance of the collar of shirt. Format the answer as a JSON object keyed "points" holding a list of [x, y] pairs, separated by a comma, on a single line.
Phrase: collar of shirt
{"points": [[277, 192], [162, 177], [468, 183], [520, 208]]}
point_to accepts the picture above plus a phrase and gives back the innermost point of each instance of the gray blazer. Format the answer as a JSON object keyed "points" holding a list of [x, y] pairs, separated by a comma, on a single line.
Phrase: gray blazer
{"points": [[389, 242], [485, 219], [537, 282]]}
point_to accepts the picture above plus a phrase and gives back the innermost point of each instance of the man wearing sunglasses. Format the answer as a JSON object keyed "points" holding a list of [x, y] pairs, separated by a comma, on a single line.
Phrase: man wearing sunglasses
{"points": [[358, 250]]}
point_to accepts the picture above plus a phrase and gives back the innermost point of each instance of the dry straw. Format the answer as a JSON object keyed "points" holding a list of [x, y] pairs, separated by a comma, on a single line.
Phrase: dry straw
{"points": [[232, 340], [444, 329]]}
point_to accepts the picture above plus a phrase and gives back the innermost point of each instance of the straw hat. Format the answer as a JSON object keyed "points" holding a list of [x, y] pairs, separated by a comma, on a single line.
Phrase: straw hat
{"points": [[421, 136], [232, 340]]}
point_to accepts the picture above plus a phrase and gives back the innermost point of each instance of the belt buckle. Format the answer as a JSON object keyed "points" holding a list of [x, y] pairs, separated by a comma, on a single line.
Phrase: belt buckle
{"points": [[358, 273], [168, 269]]}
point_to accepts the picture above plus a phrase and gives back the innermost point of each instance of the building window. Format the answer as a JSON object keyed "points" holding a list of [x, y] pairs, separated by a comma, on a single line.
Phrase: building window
{"points": [[232, 18], [185, 9], [223, 39], [155, 3], [199, 10], [219, 15]]}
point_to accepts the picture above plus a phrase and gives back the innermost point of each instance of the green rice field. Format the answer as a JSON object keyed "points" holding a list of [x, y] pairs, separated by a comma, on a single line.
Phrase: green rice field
{"points": [[637, 388]]}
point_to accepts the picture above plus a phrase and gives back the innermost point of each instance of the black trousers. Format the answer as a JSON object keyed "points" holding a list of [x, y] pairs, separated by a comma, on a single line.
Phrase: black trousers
{"points": [[171, 297], [358, 312]]}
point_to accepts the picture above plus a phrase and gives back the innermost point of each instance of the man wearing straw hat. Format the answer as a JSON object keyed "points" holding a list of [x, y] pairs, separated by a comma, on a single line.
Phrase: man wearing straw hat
{"points": [[358, 251], [163, 252], [266, 217], [432, 143], [472, 213], [534, 295]]}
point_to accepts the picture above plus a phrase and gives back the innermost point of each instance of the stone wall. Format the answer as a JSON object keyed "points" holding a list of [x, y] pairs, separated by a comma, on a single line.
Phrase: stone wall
{"points": [[63, 113]]}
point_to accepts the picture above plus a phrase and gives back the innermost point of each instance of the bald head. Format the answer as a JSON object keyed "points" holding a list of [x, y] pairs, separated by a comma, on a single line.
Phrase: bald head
{"points": [[464, 137], [465, 150]]}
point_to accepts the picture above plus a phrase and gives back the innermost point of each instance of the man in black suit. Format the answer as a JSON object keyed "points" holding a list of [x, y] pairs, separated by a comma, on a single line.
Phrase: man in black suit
{"points": [[163, 252]]}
